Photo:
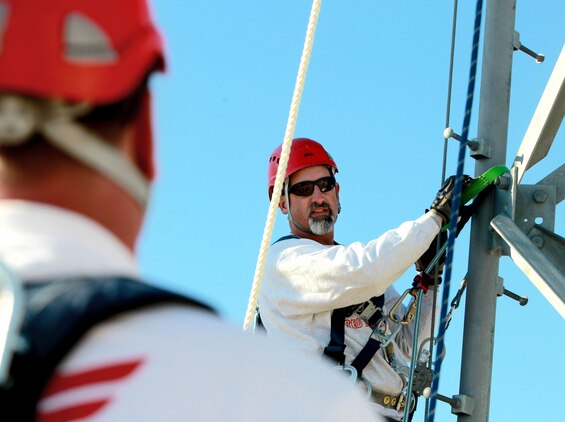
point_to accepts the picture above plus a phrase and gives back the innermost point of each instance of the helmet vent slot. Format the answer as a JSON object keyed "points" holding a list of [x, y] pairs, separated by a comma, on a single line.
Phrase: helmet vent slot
{"points": [[86, 42], [3, 21]]}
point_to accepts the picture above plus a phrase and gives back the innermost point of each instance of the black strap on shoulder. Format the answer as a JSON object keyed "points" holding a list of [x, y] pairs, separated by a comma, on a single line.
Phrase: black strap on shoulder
{"points": [[292, 236], [336, 346], [58, 313], [288, 237]]}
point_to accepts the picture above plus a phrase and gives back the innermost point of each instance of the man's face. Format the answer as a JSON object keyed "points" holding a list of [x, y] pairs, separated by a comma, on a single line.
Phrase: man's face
{"points": [[317, 211]]}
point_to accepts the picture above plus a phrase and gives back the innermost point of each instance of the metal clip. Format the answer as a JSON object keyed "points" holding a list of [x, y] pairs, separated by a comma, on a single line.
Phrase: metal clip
{"points": [[354, 377], [380, 333], [411, 310]]}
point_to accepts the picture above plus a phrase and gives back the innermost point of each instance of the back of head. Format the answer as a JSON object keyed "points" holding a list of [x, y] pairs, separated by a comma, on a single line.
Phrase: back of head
{"points": [[68, 68]]}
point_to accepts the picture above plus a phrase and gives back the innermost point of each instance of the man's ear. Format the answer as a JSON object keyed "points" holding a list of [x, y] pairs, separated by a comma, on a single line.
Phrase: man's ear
{"points": [[141, 147], [337, 197], [282, 205]]}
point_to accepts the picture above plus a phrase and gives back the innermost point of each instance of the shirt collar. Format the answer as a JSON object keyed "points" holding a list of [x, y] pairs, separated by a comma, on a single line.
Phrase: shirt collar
{"points": [[40, 241]]}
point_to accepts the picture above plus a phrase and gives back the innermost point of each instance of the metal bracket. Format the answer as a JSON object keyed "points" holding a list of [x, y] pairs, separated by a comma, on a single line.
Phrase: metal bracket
{"points": [[552, 245], [480, 148], [518, 46], [465, 405], [460, 404], [545, 122], [535, 205], [500, 290], [543, 270], [499, 286], [530, 205], [556, 178]]}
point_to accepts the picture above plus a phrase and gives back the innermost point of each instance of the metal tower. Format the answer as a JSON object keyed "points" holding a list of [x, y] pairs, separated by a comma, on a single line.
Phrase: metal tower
{"points": [[517, 220]]}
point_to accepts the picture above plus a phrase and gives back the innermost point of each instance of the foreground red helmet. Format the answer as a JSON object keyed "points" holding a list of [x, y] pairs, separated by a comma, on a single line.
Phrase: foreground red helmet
{"points": [[97, 51], [60, 59], [304, 153]]}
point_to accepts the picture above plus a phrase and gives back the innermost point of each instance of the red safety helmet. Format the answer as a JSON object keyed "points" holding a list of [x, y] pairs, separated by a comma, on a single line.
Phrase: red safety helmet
{"points": [[304, 153], [96, 51], [91, 52]]}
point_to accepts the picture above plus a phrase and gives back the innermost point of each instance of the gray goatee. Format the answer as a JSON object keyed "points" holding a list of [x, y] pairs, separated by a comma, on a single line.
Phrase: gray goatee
{"points": [[322, 225]]}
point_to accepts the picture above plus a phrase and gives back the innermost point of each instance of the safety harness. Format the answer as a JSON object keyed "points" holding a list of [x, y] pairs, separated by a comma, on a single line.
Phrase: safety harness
{"points": [[370, 311], [57, 315]]}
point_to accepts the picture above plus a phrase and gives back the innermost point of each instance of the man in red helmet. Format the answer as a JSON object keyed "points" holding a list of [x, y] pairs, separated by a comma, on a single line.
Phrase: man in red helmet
{"points": [[327, 298], [95, 343]]}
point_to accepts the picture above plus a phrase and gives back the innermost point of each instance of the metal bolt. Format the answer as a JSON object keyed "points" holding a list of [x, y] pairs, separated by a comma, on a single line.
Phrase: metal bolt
{"points": [[473, 145], [522, 300], [540, 196], [503, 182], [538, 241], [448, 133], [539, 58]]}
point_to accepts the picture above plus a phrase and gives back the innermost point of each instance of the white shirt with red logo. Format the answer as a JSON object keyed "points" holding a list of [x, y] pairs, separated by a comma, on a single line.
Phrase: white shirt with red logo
{"points": [[305, 281], [167, 363]]}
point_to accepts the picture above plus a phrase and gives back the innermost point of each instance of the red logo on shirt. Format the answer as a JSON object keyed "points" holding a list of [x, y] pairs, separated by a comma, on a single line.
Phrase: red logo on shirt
{"points": [[354, 323], [75, 408]]}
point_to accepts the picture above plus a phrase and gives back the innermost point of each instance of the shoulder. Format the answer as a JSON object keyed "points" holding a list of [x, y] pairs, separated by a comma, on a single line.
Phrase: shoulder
{"points": [[176, 362], [292, 244]]}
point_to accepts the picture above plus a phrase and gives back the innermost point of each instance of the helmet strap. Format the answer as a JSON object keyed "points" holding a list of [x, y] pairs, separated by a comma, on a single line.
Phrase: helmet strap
{"points": [[83, 145], [21, 117]]}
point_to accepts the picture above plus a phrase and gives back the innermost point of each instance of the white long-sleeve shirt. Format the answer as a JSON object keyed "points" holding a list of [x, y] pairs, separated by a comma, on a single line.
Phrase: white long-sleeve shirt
{"points": [[305, 281], [165, 363]]}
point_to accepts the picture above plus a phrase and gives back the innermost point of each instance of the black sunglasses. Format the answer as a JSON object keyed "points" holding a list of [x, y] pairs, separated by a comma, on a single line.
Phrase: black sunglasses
{"points": [[306, 188]]}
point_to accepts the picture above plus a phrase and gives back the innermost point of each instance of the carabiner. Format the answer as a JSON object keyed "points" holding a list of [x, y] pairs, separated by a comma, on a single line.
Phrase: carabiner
{"points": [[354, 377], [381, 336], [411, 310]]}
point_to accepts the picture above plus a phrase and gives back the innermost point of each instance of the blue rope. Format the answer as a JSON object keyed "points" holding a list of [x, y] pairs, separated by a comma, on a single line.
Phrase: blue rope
{"points": [[456, 202]]}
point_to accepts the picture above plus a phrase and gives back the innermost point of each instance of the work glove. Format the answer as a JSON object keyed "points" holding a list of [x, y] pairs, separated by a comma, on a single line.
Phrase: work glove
{"points": [[427, 257], [425, 280], [442, 201]]}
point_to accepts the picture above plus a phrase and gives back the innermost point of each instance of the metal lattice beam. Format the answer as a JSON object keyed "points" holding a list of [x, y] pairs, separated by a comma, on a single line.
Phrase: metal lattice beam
{"points": [[543, 271], [545, 123]]}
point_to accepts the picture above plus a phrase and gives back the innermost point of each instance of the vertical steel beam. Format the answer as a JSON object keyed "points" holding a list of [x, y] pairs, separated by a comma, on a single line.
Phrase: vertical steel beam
{"points": [[480, 308]]}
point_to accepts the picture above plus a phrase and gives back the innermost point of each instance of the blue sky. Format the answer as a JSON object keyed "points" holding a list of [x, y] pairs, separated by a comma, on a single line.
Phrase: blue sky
{"points": [[375, 96]]}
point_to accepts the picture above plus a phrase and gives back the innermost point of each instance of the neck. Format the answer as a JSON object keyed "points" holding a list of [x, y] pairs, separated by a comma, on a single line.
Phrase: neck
{"points": [[327, 239], [77, 188]]}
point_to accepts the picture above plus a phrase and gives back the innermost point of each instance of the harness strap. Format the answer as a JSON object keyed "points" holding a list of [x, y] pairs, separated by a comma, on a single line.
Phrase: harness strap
{"points": [[336, 346], [335, 350], [366, 354], [58, 314], [288, 237]]}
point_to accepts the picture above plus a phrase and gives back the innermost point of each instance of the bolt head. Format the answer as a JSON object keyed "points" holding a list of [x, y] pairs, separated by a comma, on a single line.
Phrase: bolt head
{"points": [[538, 241], [540, 196]]}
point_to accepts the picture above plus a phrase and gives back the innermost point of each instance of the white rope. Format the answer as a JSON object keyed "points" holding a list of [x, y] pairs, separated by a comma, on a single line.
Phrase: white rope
{"points": [[285, 153]]}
